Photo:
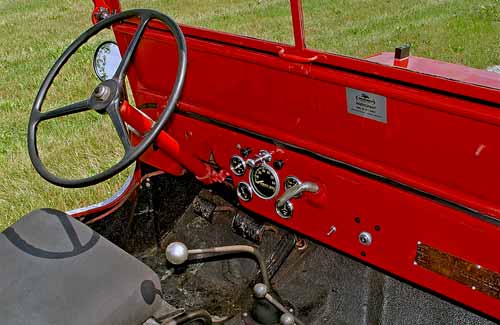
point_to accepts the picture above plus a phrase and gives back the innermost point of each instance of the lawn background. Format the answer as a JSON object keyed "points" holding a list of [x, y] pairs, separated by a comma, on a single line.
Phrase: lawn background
{"points": [[34, 33]]}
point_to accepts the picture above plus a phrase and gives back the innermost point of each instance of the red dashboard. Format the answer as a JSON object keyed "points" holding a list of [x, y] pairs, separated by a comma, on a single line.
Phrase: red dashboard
{"points": [[349, 205], [406, 172]]}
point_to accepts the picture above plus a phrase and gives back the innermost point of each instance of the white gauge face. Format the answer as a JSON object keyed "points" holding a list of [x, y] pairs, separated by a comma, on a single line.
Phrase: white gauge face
{"points": [[265, 182], [107, 58], [238, 165]]}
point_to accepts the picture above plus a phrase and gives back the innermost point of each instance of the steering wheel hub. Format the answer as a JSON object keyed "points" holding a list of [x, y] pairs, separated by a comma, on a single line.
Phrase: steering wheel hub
{"points": [[103, 95]]}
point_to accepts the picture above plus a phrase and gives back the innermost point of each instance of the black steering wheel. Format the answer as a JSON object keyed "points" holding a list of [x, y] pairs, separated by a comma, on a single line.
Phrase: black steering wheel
{"points": [[108, 97]]}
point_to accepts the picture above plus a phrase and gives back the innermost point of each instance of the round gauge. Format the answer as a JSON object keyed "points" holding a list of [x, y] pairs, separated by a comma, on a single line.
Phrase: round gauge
{"points": [[265, 182], [244, 191], [237, 165], [286, 210], [291, 181]]}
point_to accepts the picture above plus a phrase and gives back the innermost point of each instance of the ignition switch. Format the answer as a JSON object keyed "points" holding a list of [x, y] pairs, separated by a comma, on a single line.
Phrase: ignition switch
{"points": [[365, 238]]}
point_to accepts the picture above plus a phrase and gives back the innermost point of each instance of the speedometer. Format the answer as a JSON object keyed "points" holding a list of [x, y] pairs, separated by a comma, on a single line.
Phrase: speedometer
{"points": [[264, 181]]}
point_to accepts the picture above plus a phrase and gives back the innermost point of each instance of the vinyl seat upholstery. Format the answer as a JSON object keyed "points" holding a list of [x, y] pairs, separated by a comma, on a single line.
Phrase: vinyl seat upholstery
{"points": [[56, 270]]}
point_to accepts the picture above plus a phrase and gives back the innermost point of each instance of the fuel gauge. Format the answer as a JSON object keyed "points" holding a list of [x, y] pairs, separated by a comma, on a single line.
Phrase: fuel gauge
{"points": [[244, 191], [238, 165]]}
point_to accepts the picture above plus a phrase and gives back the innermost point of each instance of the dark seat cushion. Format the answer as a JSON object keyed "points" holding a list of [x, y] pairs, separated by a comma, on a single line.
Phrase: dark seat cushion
{"points": [[56, 270]]}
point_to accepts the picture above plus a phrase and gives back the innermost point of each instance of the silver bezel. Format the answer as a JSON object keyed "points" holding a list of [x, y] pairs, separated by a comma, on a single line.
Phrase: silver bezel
{"points": [[99, 65], [298, 182], [291, 177], [242, 161], [249, 188], [250, 178], [290, 206]]}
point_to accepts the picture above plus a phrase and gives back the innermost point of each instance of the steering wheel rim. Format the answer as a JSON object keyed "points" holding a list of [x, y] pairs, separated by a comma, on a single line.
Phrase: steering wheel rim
{"points": [[111, 105]]}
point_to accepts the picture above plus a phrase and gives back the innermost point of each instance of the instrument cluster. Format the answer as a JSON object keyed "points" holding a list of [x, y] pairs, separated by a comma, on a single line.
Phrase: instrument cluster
{"points": [[263, 180]]}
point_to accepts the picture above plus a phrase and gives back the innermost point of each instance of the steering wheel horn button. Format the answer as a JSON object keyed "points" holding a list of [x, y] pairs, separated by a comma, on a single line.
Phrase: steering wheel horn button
{"points": [[103, 95], [102, 92]]}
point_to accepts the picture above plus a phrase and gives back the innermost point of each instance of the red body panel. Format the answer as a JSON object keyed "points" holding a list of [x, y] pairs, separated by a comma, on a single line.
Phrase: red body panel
{"points": [[443, 69], [429, 174], [440, 144]]}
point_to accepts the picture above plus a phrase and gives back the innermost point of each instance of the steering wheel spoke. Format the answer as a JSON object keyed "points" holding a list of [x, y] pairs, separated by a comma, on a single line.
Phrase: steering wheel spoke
{"points": [[74, 108], [132, 47], [120, 127]]}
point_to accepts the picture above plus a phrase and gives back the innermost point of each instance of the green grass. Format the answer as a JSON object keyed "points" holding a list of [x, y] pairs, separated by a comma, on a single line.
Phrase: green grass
{"points": [[35, 32]]}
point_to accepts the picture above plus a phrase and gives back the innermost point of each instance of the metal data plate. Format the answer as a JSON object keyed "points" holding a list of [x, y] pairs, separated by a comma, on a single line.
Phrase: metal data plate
{"points": [[367, 105], [455, 268]]}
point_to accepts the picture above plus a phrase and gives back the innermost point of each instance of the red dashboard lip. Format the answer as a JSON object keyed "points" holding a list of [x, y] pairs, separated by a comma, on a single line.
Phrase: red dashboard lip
{"points": [[480, 89]]}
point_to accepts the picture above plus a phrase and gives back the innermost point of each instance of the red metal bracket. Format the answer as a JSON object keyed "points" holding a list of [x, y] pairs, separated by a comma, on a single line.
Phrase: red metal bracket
{"points": [[104, 8], [166, 143], [296, 57]]}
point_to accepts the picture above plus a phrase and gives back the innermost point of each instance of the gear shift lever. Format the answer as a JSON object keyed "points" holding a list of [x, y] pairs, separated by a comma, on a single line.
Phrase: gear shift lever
{"points": [[260, 291], [177, 253]]}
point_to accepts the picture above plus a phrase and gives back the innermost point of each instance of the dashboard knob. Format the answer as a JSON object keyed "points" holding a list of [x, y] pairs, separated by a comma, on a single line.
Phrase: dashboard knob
{"points": [[365, 238], [245, 151], [278, 164]]}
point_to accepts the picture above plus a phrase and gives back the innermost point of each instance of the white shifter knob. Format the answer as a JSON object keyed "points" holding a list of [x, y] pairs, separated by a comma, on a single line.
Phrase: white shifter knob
{"points": [[287, 319], [177, 253]]}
